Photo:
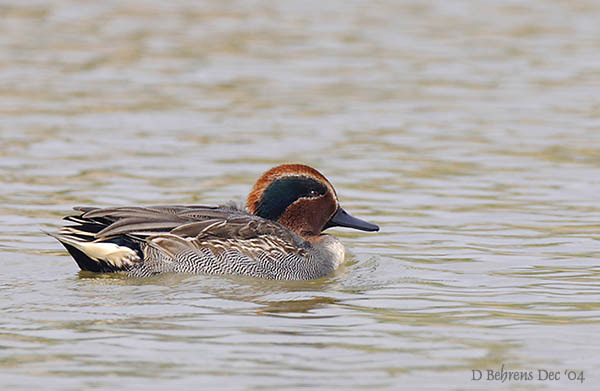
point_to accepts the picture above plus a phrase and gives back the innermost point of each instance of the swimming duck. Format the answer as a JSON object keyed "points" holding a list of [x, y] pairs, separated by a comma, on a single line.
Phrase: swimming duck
{"points": [[279, 236]]}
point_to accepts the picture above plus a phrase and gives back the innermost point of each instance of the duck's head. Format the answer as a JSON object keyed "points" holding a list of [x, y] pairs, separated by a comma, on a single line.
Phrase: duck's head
{"points": [[302, 199]]}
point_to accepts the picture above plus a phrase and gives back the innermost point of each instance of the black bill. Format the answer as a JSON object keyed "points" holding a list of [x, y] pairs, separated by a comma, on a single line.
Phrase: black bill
{"points": [[341, 218]]}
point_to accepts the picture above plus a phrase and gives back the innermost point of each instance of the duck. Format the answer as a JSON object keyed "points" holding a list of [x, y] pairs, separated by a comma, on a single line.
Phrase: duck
{"points": [[278, 236]]}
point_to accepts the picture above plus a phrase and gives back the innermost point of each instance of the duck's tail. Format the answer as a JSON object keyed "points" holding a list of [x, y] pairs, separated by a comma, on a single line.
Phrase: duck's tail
{"points": [[105, 256]]}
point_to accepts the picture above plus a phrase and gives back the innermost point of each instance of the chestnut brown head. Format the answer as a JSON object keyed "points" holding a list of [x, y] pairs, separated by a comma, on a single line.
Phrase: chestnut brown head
{"points": [[302, 199]]}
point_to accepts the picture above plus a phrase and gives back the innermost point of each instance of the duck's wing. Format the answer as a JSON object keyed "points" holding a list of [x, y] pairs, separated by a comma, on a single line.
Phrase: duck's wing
{"points": [[241, 231], [198, 222], [113, 239], [145, 221], [200, 238]]}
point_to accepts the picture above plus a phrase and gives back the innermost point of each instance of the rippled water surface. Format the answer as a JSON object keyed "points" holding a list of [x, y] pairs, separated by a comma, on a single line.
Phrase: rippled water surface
{"points": [[468, 130]]}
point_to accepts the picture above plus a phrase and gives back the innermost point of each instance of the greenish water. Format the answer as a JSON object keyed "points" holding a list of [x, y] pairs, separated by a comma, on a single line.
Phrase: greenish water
{"points": [[469, 131]]}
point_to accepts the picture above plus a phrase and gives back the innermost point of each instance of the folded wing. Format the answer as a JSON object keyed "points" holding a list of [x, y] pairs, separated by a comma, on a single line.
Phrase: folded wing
{"points": [[198, 239]]}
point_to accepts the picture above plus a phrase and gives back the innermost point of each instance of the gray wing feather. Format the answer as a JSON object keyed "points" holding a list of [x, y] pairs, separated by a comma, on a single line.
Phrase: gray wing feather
{"points": [[138, 226], [196, 221]]}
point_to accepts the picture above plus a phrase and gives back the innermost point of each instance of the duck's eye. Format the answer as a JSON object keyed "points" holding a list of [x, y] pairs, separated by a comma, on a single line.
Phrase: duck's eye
{"points": [[313, 193]]}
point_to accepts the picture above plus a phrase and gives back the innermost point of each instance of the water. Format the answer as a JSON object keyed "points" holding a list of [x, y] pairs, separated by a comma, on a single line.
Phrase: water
{"points": [[468, 130]]}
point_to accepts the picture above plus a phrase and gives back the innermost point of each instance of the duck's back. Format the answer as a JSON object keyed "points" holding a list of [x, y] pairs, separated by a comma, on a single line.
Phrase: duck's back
{"points": [[143, 241]]}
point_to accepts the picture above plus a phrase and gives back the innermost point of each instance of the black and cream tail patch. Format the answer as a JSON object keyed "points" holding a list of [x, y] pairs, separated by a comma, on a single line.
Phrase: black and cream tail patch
{"points": [[96, 256]]}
